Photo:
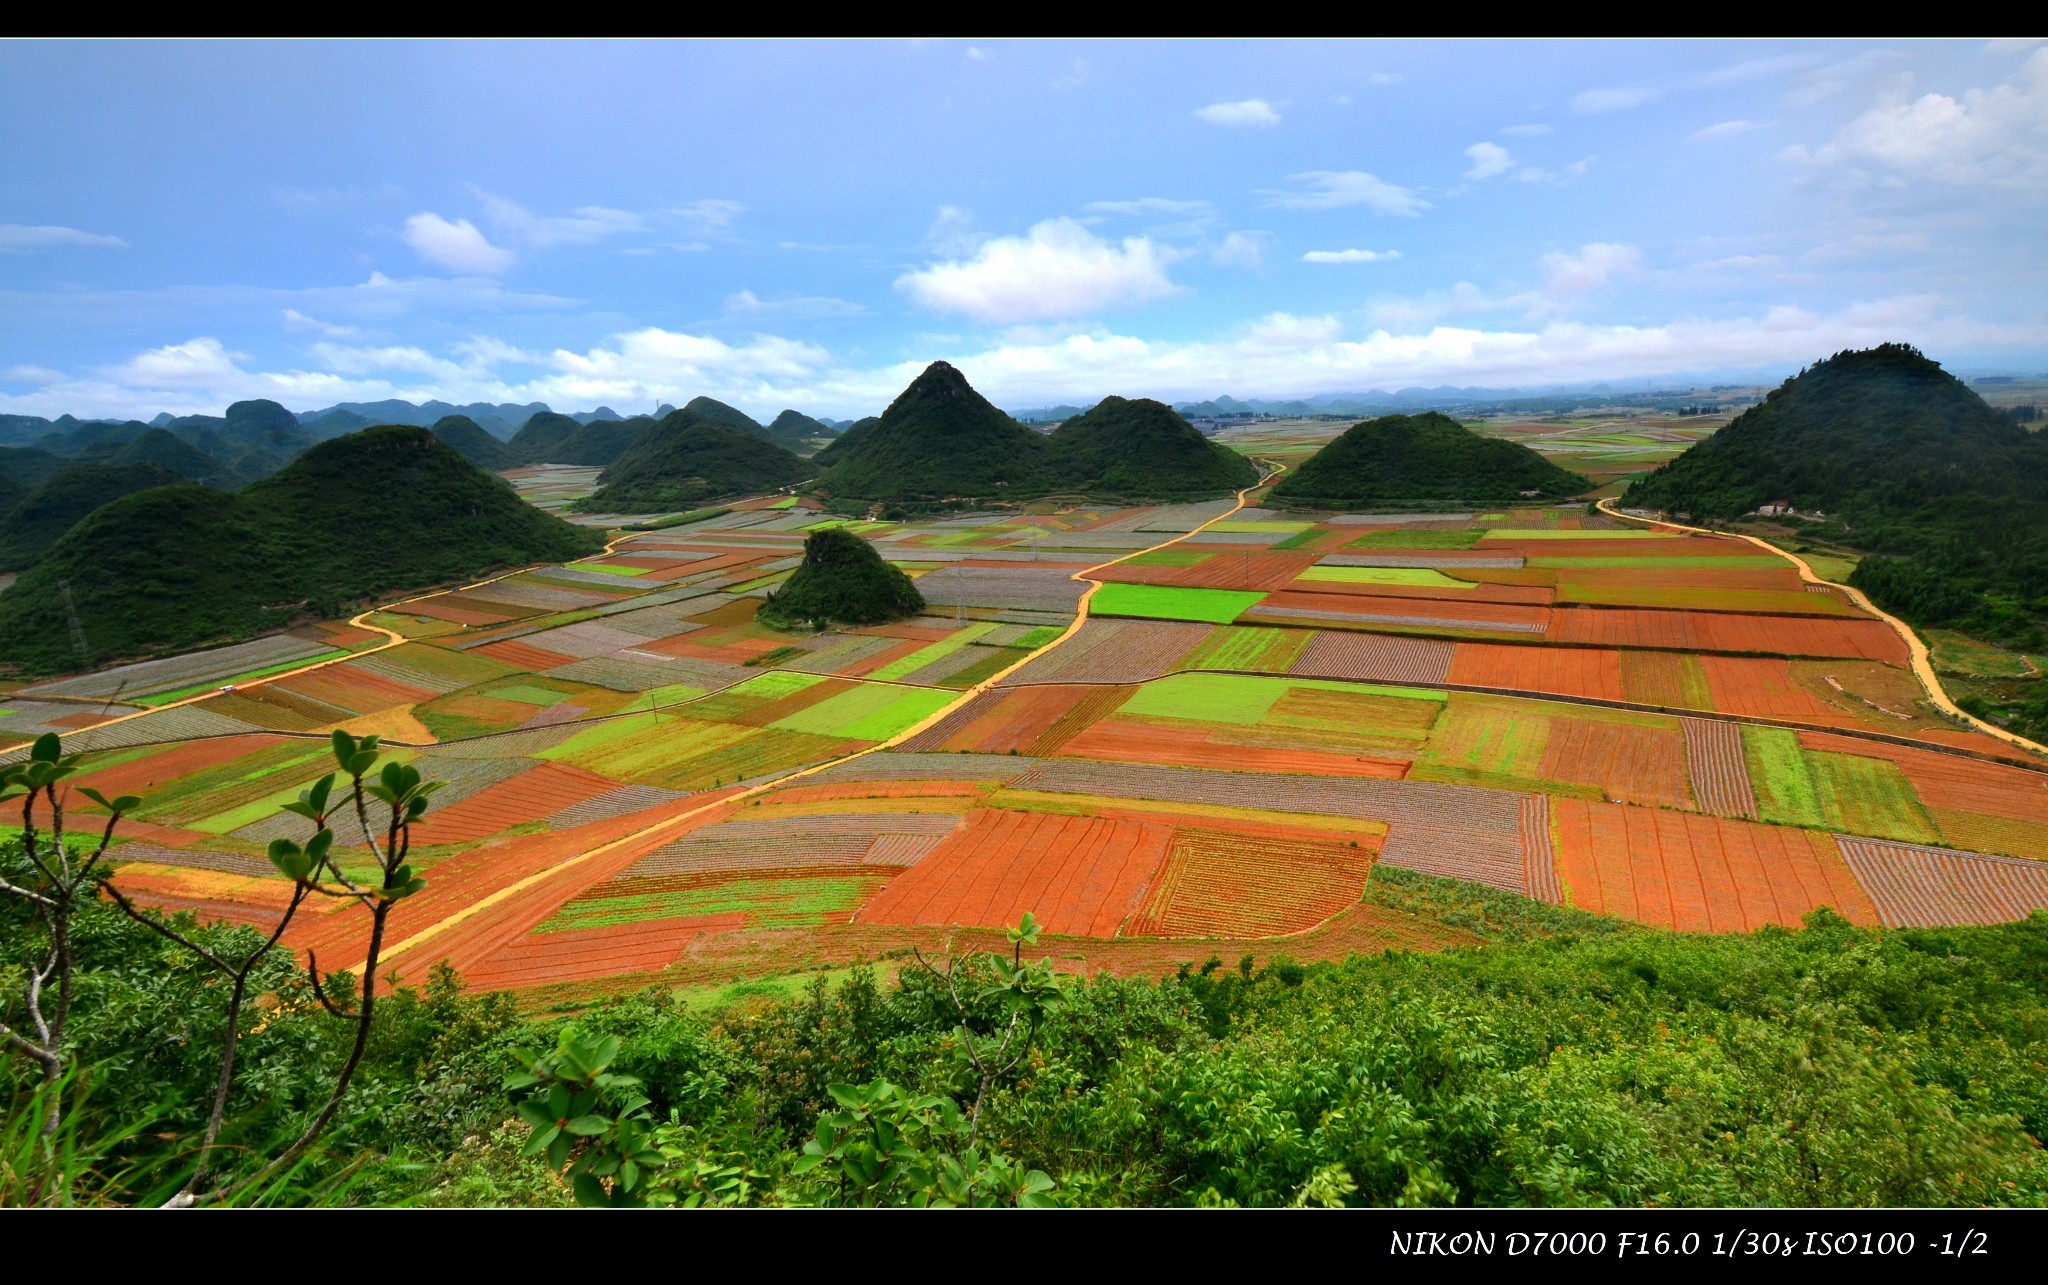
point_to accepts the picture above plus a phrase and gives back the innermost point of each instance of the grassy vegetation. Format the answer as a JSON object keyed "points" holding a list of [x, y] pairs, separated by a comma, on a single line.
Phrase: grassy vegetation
{"points": [[1165, 602], [1245, 698], [1418, 577], [1429, 457], [681, 519], [1141, 449], [686, 459], [1869, 796], [1781, 777], [870, 712], [40, 517], [842, 579], [1417, 540]]}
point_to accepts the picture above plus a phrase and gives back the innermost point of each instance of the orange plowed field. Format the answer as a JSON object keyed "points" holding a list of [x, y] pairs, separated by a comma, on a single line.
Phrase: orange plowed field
{"points": [[1480, 591], [1565, 671], [1121, 742], [139, 776], [1727, 631], [581, 953], [1455, 612], [1945, 781], [521, 656], [1081, 876], [1220, 884], [533, 794], [1630, 546], [1769, 573], [1761, 687], [737, 652], [1699, 874], [353, 689], [1227, 568], [459, 613], [725, 561], [1635, 764], [852, 790]]}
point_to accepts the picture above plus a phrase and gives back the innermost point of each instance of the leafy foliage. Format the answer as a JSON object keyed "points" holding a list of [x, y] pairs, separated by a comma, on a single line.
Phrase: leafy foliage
{"points": [[540, 436], [1399, 458], [472, 443], [46, 513], [939, 439], [1143, 448], [842, 580], [175, 567], [686, 459]]}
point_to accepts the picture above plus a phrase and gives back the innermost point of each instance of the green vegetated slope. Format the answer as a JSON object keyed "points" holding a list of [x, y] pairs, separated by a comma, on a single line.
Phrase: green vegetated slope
{"points": [[167, 569], [540, 435], [472, 443], [41, 518], [165, 449], [1398, 458], [844, 581], [686, 459], [28, 465], [1908, 464], [941, 440], [1565, 1061], [797, 432], [1142, 448]]}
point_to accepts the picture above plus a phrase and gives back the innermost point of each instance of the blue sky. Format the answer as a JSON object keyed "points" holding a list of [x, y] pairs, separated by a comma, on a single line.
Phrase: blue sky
{"points": [[808, 224]]}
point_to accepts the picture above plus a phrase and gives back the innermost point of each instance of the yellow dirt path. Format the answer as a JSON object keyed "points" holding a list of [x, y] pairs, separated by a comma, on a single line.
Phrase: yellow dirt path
{"points": [[502, 895], [1923, 665]]}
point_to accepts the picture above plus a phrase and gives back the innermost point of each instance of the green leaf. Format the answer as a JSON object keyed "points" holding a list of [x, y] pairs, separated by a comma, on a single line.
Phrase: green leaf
{"points": [[344, 747], [46, 748], [588, 1126], [590, 1193]]}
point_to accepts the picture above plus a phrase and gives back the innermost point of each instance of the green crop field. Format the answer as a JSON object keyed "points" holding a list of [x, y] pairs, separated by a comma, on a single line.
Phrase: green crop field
{"points": [[1546, 533], [1243, 699], [918, 659], [605, 568], [1249, 647], [1178, 556], [527, 694], [645, 747], [1301, 539], [871, 712], [1164, 602], [1038, 637], [788, 902], [1416, 540], [1482, 738], [1260, 528], [1780, 775], [1870, 796], [180, 693], [1418, 577]]}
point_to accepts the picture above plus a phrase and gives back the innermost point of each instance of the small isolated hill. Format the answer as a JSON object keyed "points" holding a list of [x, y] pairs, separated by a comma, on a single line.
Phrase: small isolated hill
{"points": [[939, 439], [797, 432], [538, 438], [337, 423], [685, 460], [166, 449], [1906, 462], [1399, 458], [849, 437], [1143, 449], [789, 438], [174, 567], [42, 517], [599, 442], [842, 581], [473, 443]]}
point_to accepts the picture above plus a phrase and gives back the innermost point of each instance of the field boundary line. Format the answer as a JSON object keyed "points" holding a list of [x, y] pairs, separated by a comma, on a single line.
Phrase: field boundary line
{"points": [[1923, 665], [501, 895]]}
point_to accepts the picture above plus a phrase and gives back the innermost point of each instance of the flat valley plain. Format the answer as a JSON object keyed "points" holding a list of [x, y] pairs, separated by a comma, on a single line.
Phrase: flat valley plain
{"points": [[647, 787]]}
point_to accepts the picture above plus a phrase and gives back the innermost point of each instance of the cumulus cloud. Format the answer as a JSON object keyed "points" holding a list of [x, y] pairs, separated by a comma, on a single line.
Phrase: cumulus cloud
{"points": [[1593, 266], [1350, 256], [1338, 189], [21, 238], [1488, 159], [457, 246], [1249, 113], [1987, 138], [1057, 270], [1241, 250]]}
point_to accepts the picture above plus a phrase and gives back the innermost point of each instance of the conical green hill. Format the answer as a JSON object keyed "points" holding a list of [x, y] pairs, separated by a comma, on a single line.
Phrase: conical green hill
{"points": [[1429, 457], [685, 460], [42, 518], [1142, 449], [473, 443], [540, 436], [842, 581], [939, 440]]}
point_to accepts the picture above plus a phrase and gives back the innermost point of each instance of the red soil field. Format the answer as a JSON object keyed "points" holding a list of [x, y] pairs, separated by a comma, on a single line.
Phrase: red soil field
{"points": [[841, 791], [1120, 742], [457, 613], [1565, 671], [1769, 573], [1478, 615], [1699, 874], [84, 718], [521, 656], [1917, 887], [1229, 568], [1760, 687], [1718, 768], [533, 794], [726, 560], [1727, 631], [581, 953], [1945, 781], [999, 721], [1479, 591], [1539, 861], [1217, 884], [1096, 703], [1626, 546], [353, 689], [738, 652], [1081, 876], [139, 776], [1634, 764]]}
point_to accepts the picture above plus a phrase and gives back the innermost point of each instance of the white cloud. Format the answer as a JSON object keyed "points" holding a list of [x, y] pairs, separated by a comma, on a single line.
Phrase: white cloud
{"points": [[33, 375], [1726, 129], [516, 224], [346, 359], [1350, 256], [1337, 189], [296, 320], [1340, 100], [1526, 131], [977, 54], [1056, 270], [1151, 205], [196, 361], [1988, 138], [1488, 159], [707, 218], [1595, 265], [800, 308], [1078, 74], [457, 246], [1250, 113], [21, 238], [1621, 97], [1241, 250]]}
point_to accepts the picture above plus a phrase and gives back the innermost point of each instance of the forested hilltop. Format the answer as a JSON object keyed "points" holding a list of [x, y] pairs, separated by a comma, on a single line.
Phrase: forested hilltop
{"points": [[1948, 495], [175, 567], [1571, 1061], [1399, 459]]}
